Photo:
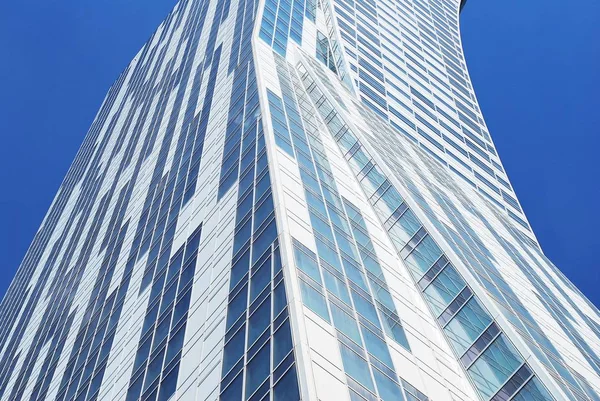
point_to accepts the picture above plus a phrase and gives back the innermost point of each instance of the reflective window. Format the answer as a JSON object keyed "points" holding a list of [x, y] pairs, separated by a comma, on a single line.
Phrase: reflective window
{"points": [[534, 390], [494, 366], [466, 326], [258, 369], [314, 300], [423, 256], [443, 289], [356, 367]]}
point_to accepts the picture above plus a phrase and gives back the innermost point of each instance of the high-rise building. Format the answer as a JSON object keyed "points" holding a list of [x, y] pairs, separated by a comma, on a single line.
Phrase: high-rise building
{"points": [[294, 200]]}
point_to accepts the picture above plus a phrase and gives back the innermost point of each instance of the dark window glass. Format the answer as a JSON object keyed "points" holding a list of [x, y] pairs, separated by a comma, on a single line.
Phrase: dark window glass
{"points": [[258, 369], [282, 343], [287, 388]]}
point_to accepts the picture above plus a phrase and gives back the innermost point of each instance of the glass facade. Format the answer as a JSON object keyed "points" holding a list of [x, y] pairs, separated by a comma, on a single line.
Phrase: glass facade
{"points": [[292, 200]]}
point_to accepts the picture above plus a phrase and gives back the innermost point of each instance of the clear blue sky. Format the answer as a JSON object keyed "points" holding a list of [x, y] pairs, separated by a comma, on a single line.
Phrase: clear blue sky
{"points": [[534, 65]]}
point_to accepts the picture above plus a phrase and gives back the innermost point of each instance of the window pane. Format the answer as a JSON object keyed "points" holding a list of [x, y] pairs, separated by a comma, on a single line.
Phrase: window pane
{"points": [[234, 350], [336, 286], [423, 257], [307, 263], [494, 366], [259, 321], [377, 347], [467, 325], [388, 390], [533, 391], [443, 289], [286, 389], [234, 391], [282, 343], [258, 369], [356, 367], [313, 300], [345, 323]]}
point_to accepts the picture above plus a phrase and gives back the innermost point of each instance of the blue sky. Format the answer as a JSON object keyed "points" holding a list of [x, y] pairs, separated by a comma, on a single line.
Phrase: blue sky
{"points": [[533, 64]]}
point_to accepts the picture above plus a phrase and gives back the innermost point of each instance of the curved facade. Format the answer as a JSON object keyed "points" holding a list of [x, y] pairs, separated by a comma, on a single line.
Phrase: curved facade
{"points": [[294, 200]]}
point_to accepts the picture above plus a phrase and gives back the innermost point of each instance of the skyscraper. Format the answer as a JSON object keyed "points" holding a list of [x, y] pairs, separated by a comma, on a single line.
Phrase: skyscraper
{"points": [[294, 200]]}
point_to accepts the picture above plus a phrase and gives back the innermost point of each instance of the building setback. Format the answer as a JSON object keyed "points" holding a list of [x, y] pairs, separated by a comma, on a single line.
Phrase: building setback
{"points": [[294, 200]]}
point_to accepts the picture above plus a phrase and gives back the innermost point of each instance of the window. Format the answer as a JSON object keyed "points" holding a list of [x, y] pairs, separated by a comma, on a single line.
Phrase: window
{"points": [[306, 261], [259, 320], [423, 256], [258, 369], [314, 300], [356, 367], [388, 390], [286, 389], [467, 325], [494, 366], [282, 343], [533, 391], [443, 289]]}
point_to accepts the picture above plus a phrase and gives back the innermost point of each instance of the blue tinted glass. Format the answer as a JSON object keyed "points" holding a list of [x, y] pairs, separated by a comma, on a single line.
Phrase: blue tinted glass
{"points": [[494, 366], [314, 301], [466, 326], [377, 347], [260, 279], [336, 286], [533, 391], [234, 350], [365, 308], [345, 323], [388, 390], [356, 367], [234, 391], [258, 369], [282, 343], [259, 321], [443, 289], [286, 389], [424, 255], [307, 263]]}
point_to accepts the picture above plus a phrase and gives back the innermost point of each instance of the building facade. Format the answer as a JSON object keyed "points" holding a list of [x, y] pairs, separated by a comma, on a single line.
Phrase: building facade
{"points": [[294, 200]]}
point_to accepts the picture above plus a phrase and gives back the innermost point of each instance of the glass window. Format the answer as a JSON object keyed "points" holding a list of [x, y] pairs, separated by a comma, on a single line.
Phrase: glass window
{"points": [[282, 343], [377, 347], [494, 366], [405, 228], [336, 286], [234, 391], [355, 274], [307, 262], [286, 389], [443, 289], [356, 367], [237, 306], [258, 369], [533, 391], [169, 385], [234, 350], [345, 323], [314, 300], [388, 390], [365, 308], [239, 269], [260, 279], [423, 256], [279, 299], [394, 329], [467, 325], [328, 254], [259, 321]]}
